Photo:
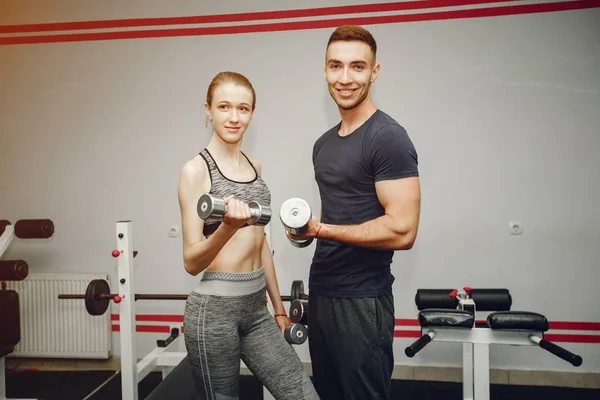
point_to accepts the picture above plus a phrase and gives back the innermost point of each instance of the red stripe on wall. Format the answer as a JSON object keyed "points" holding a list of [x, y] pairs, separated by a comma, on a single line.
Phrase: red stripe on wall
{"points": [[555, 338], [304, 25], [160, 318], [575, 326], [554, 325], [146, 328], [564, 338], [413, 334], [153, 318], [407, 322], [407, 334], [242, 17]]}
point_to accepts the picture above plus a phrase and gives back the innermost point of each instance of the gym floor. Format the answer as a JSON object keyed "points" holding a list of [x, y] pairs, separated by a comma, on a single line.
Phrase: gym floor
{"points": [[106, 384]]}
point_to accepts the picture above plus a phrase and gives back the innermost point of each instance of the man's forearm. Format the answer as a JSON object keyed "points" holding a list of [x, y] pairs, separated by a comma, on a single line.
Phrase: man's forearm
{"points": [[382, 233]]}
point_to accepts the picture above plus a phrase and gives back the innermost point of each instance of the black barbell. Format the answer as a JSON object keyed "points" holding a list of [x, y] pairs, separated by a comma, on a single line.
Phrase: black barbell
{"points": [[97, 296]]}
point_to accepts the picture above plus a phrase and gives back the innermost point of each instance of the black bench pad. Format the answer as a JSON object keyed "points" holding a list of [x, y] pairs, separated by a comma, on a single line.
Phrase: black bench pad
{"points": [[517, 320], [446, 318]]}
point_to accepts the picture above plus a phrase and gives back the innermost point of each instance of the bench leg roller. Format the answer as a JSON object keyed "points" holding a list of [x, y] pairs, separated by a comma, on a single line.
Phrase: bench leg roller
{"points": [[558, 351], [418, 345]]}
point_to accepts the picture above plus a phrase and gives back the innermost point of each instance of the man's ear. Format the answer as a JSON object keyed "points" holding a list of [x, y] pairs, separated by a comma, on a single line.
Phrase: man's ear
{"points": [[375, 72]]}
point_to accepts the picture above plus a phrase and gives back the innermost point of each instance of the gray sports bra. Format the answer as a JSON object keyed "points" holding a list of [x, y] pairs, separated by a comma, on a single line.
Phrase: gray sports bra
{"points": [[253, 190]]}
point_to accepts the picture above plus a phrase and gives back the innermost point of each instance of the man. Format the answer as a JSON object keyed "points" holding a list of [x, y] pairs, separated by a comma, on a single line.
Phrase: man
{"points": [[367, 174]]}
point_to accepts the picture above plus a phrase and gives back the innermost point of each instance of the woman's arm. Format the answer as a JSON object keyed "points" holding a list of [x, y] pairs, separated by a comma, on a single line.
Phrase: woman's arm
{"points": [[198, 254], [272, 286], [271, 278]]}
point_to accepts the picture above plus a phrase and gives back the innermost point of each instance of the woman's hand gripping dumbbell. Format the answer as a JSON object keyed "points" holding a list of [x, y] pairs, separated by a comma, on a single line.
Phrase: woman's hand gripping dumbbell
{"points": [[300, 226], [214, 208]]}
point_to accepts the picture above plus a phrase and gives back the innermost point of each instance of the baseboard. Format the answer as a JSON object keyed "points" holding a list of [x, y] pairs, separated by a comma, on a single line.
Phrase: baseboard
{"points": [[588, 380]]}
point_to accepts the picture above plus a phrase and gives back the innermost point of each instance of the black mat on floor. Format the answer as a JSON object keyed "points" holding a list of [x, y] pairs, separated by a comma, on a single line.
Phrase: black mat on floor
{"points": [[425, 390], [150, 388], [54, 385]]}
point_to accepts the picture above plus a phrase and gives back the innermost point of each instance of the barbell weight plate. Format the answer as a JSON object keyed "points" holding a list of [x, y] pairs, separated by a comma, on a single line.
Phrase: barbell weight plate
{"points": [[93, 303], [297, 290], [295, 214]]}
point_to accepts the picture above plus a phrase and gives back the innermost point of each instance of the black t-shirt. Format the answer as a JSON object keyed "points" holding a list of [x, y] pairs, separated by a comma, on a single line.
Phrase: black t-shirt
{"points": [[346, 169]]}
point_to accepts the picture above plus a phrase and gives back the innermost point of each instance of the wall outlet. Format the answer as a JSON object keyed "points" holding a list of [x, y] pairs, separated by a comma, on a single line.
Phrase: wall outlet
{"points": [[515, 228], [173, 231]]}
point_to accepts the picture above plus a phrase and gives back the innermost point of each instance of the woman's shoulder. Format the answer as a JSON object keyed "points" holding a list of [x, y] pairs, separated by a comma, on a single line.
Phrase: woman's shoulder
{"points": [[194, 169], [255, 163]]}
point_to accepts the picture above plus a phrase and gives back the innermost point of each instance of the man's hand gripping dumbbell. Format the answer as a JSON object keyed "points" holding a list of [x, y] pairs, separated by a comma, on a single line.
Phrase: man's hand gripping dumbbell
{"points": [[213, 208], [300, 226]]}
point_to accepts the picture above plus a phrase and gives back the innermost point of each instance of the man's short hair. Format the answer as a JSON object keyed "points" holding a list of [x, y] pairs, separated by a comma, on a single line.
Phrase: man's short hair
{"points": [[349, 33]]}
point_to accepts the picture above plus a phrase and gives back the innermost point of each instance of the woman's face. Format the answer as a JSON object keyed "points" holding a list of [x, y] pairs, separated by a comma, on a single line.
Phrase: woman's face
{"points": [[230, 111]]}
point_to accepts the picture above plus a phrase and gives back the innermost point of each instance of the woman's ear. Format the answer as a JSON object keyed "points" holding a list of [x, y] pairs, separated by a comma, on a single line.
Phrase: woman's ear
{"points": [[207, 109]]}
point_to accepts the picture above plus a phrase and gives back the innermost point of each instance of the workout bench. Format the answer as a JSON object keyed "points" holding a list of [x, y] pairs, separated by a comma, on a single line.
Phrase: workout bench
{"points": [[448, 315], [14, 270]]}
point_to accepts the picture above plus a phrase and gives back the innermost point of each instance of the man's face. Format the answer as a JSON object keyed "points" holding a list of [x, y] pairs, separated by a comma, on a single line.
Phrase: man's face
{"points": [[350, 70]]}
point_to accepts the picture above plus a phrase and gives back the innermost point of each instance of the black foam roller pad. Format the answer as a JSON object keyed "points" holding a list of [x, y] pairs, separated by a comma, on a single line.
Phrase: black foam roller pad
{"points": [[491, 299], [435, 298], [34, 228], [13, 270]]}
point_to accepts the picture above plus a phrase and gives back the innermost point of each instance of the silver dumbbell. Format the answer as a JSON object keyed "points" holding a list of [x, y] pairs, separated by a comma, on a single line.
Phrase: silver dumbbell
{"points": [[295, 214], [212, 208], [299, 311], [295, 333]]}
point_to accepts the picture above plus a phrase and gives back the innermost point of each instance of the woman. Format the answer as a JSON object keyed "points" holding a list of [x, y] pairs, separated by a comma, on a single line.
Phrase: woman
{"points": [[226, 316]]}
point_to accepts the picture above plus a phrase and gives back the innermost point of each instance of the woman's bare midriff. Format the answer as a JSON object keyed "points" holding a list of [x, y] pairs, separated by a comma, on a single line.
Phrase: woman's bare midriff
{"points": [[242, 253]]}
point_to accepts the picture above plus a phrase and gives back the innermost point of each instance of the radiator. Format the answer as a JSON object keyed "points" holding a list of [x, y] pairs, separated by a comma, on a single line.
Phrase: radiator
{"points": [[60, 328]]}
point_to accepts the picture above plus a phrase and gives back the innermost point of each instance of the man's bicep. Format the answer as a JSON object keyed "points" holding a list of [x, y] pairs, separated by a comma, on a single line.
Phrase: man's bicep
{"points": [[401, 198]]}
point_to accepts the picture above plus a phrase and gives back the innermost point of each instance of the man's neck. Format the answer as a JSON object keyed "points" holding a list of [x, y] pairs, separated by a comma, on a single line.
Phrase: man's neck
{"points": [[352, 119]]}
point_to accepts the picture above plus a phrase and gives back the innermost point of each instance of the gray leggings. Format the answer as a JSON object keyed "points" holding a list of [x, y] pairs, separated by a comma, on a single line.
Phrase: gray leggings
{"points": [[226, 319]]}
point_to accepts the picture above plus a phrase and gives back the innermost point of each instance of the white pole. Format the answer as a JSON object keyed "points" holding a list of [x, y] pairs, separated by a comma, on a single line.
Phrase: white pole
{"points": [[468, 371], [126, 291]]}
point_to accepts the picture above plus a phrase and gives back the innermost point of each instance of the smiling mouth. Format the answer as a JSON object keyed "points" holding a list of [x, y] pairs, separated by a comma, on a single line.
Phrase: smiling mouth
{"points": [[232, 128], [346, 92]]}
